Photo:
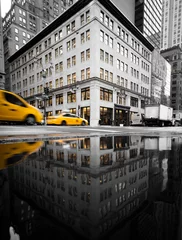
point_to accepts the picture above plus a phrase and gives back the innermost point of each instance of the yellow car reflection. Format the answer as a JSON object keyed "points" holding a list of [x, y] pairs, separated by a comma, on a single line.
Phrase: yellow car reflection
{"points": [[13, 153], [66, 119]]}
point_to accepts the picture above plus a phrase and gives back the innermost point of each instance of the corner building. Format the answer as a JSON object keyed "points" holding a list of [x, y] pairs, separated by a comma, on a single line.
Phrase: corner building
{"points": [[96, 62]]}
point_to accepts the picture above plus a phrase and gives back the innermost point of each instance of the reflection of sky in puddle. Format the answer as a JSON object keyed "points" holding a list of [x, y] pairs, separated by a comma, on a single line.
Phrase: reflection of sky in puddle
{"points": [[118, 186]]}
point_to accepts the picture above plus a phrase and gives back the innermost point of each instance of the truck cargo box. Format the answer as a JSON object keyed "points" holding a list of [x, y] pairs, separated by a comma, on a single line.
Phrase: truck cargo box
{"points": [[158, 114]]}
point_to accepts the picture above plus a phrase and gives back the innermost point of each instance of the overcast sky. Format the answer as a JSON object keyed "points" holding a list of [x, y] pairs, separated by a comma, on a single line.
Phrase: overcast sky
{"points": [[5, 6]]}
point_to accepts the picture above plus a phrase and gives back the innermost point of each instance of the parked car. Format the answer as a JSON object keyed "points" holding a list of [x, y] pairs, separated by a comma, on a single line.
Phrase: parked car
{"points": [[66, 119], [13, 108]]}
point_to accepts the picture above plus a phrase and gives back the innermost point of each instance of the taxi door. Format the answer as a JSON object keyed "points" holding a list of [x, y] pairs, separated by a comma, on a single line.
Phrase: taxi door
{"points": [[75, 120], [11, 107], [70, 119]]}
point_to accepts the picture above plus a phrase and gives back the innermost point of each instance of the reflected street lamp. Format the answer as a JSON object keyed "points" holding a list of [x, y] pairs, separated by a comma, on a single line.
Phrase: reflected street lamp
{"points": [[45, 93]]}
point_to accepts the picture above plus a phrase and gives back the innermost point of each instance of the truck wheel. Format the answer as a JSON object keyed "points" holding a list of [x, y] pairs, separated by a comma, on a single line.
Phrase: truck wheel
{"points": [[162, 124]]}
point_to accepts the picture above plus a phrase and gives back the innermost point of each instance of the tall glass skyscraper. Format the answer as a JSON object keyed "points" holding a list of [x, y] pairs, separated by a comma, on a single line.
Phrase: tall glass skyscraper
{"points": [[148, 19]]}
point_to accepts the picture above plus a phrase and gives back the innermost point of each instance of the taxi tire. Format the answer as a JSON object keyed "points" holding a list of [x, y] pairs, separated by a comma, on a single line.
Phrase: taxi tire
{"points": [[30, 120], [63, 123], [83, 123]]}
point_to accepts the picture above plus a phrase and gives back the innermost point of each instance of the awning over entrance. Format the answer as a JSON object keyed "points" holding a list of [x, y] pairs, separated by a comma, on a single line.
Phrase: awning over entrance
{"points": [[117, 106]]}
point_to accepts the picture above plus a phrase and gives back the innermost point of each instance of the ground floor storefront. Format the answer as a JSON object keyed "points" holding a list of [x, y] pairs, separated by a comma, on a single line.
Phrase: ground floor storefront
{"points": [[101, 103]]}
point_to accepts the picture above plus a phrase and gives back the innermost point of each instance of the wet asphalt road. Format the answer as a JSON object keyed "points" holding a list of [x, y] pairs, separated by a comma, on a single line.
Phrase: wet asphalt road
{"points": [[16, 133]]}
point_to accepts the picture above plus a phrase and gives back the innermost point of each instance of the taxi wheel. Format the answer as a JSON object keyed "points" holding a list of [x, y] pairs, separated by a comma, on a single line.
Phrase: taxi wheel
{"points": [[63, 123], [30, 120], [83, 123]]}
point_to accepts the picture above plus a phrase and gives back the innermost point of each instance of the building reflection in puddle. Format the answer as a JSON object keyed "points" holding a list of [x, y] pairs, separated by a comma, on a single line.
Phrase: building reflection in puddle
{"points": [[101, 186]]}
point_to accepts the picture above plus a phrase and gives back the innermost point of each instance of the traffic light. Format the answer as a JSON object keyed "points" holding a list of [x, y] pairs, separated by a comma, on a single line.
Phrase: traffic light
{"points": [[46, 90]]}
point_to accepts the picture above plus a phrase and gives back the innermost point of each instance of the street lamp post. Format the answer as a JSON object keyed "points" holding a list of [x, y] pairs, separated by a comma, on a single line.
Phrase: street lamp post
{"points": [[45, 93]]}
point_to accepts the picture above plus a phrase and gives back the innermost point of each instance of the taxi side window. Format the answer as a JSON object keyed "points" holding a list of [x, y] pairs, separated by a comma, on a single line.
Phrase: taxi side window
{"points": [[67, 115], [14, 100]]}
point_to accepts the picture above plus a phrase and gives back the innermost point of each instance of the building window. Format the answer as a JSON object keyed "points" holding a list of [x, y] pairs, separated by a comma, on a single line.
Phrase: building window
{"points": [[87, 54], [106, 57], [73, 77], [111, 77], [106, 39], [56, 37], [134, 102], [82, 74], [102, 16], [87, 16], [82, 38], [101, 73], [82, 56], [101, 36], [74, 60], [68, 29], [68, 46], [88, 35], [106, 75], [82, 19], [73, 43], [106, 94], [85, 94], [59, 99], [87, 73], [111, 25], [107, 21], [73, 26], [68, 63], [101, 54], [111, 60], [56, 52], [71, 97], [111, 42], [69, 79], [61, 50]]}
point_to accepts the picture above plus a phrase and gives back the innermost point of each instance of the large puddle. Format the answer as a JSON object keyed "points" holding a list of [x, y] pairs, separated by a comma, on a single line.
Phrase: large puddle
{"points": [[118, 187]]}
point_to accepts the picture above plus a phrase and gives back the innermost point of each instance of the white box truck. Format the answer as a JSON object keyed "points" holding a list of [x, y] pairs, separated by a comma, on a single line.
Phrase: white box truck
{"points": [[158, 114]]}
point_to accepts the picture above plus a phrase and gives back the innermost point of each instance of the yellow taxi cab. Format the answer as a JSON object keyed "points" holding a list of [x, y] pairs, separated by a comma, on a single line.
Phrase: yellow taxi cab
{"points": [[12, 153], [66, 119], [13, 108]]}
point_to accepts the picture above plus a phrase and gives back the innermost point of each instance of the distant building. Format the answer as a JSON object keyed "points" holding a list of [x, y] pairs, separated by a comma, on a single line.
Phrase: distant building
{"points": [[161, 79], [174, 57], [127, 8], [97, 64], [148, 19], [24, 20], [2, 72], [171, 24]]}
